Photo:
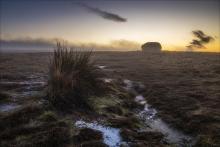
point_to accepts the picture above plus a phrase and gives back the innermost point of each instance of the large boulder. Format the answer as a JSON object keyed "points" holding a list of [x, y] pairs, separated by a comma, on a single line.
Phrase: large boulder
{"points": [[151, 47]]}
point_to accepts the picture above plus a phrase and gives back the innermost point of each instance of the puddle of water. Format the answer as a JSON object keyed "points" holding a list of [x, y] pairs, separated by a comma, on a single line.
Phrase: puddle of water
{"points": [[101, 66], [111, 135], [148, 112], [128, 84], [139, 98], [8, 107], [108, 80]]}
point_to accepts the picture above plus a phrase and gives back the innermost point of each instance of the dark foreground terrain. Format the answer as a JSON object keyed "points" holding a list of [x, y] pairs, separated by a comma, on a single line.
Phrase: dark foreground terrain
{"points": [[184, 88]]}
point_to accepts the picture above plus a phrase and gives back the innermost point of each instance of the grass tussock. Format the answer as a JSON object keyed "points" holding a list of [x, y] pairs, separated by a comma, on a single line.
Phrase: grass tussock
{"points": [[73, 77], [23, 128], [48, 116], [3, 97]]}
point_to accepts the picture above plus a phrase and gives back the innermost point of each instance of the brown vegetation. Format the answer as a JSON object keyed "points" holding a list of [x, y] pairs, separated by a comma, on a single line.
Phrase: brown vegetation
{"points": [[22, 128], [183, 87]]}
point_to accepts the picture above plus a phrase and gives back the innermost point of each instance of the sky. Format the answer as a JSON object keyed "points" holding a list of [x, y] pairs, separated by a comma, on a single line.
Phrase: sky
{"points": [[123, 25]]}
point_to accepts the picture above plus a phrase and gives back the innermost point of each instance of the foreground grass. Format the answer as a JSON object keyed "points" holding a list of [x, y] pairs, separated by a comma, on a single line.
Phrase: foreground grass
{"points": [[73, 77], [29, 126]]}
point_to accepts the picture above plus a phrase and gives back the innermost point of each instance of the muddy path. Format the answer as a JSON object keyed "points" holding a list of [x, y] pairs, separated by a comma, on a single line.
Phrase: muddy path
{"points": [[151, 122], [149, 115]]}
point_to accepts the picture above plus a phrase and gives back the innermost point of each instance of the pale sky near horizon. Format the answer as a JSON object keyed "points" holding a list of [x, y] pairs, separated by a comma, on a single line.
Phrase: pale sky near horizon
{"points": [[169, 22]]}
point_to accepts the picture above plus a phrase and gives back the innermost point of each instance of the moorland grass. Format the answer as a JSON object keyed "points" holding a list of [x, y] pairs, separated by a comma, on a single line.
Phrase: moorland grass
{"points": [[73, 78], [32, 126]]}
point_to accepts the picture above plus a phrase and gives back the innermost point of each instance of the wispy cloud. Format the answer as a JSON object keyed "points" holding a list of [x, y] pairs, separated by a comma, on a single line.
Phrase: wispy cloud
{"points": [[200, 40], [103, 14]]}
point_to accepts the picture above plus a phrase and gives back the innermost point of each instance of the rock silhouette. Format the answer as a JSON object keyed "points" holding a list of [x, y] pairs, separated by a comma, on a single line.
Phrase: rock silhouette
{"points": [[151, 47]]}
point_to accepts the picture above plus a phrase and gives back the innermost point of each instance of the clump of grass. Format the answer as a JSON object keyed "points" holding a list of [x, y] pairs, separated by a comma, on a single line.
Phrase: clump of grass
{"points": [[20, 117], [48, 116], [206, 141], [3, 97], [73, 77]]}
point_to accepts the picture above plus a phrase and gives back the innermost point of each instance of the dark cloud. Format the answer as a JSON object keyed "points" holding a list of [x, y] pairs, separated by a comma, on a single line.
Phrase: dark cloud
{"points": [[201, 39], [104, 14], [196, 43], [204, 38]]}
